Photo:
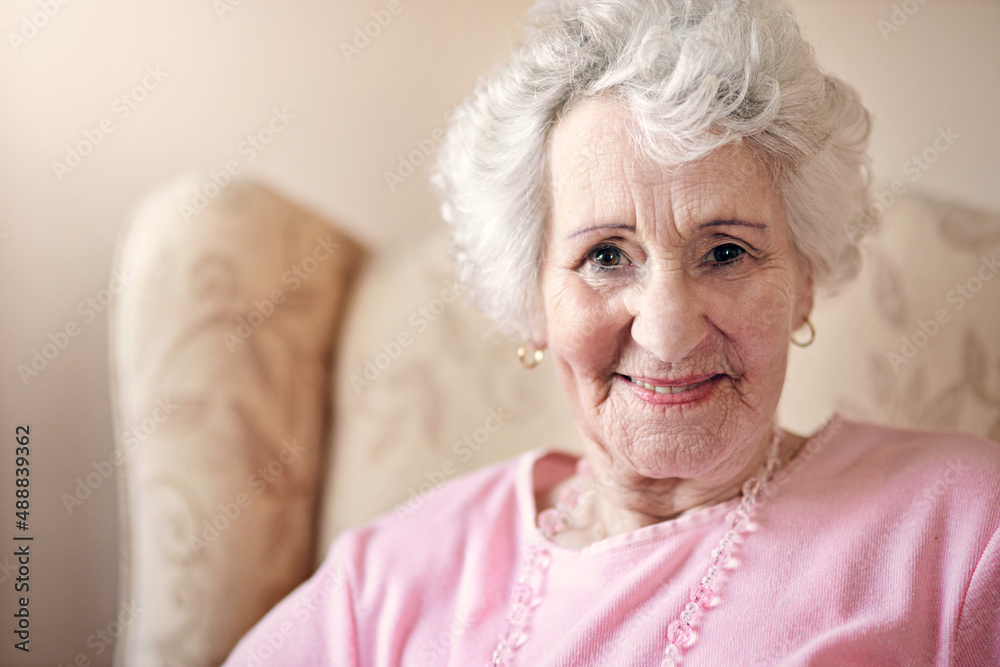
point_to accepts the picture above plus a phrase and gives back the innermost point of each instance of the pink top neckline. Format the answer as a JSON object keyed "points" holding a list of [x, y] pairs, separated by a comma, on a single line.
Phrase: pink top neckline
{"points": [[542, 469]]}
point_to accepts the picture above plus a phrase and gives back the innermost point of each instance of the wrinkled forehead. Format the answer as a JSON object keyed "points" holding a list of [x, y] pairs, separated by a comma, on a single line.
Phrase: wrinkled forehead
{"points": [[587, 134], [597, 170]]}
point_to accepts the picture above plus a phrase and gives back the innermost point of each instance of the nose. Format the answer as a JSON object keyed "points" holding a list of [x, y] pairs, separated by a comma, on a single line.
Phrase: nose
{"points": [[668, 318]]}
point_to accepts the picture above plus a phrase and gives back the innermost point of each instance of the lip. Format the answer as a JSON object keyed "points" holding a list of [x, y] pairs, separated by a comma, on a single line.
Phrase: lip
{"points": [[677, 382], [701, 386]]}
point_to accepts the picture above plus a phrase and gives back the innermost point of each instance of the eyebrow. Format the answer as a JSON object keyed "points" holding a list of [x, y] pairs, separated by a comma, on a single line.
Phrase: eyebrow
{"points": [[619, 225], [732, 223], [704, 225]]}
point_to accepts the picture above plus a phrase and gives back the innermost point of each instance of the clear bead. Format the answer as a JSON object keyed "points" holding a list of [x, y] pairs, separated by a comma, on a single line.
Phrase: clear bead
{"points": [[511, 636], [738, 520], [671, 653], [691, 607], [751, 487], [538, 557], [518, 615], [522, 594]]}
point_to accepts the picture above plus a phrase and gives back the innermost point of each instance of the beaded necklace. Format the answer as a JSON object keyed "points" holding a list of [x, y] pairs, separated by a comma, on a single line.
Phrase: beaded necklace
{"points": [[680, 633]]}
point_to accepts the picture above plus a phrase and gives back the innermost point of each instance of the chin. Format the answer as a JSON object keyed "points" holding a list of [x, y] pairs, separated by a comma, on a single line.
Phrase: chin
{"points": [[702, 436]]}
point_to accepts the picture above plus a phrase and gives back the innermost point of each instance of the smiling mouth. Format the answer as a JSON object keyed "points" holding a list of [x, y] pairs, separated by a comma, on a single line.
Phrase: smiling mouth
{"points": [[668, 389]]}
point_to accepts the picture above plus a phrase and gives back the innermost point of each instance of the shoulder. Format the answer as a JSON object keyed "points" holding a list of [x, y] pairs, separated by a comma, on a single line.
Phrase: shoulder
{"points": [[440, 526], [935, 476], [421, 569], [896, 452]]}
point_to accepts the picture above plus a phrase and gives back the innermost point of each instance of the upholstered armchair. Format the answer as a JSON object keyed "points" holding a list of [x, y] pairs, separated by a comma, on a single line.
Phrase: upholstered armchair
{"points": [[275, 382]]}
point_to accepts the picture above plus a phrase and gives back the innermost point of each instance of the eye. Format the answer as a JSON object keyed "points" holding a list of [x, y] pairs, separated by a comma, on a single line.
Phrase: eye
{"points": [[726, 253], [606, 256]]}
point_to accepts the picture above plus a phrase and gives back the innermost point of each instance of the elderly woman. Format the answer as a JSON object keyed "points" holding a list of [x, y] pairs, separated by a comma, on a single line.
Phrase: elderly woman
{"points": [[651, 192]]}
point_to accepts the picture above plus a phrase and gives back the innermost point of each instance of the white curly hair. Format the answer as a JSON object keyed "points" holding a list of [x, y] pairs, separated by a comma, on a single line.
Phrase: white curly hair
{"points": [[695, 75]]}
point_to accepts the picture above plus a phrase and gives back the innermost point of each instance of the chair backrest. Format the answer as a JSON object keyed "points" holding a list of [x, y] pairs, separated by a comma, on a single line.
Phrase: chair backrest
{"points": [[424, 391], [915, 340], [220, 355]]}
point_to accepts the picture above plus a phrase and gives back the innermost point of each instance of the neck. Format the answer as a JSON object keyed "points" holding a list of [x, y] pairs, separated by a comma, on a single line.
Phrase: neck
{"points": [[621, 504]]}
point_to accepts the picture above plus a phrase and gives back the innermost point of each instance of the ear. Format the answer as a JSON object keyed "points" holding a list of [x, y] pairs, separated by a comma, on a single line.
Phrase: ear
{"points": [[803, 300], [536, 333]]}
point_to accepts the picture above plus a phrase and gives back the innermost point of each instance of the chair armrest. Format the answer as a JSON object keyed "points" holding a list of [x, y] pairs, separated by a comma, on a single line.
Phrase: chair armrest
{"points": [[220, 346]]}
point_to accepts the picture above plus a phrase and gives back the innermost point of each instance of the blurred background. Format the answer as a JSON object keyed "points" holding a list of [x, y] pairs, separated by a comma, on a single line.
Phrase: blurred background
{"points": [[102, 100]]}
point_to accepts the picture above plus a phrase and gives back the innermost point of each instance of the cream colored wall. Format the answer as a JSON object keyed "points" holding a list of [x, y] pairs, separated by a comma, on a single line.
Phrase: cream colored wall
{"points": [[221, 78], [939, 68], [925, 70], [224, 75]]}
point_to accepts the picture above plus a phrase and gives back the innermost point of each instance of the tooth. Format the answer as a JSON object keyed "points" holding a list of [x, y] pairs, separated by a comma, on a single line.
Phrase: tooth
{"points": [[663, 390]]}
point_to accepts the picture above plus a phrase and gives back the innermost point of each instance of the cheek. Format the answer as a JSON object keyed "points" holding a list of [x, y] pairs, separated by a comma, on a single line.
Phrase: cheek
{"points": [[759, 327], [583, 326]]}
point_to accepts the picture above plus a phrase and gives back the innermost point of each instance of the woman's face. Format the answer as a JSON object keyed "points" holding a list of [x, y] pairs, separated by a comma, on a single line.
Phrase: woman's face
{"points": [[669, 300]]}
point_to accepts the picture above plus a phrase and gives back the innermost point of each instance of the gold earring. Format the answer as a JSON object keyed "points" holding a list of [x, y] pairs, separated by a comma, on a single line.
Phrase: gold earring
{"points": [[812, 336], [529, 361]]}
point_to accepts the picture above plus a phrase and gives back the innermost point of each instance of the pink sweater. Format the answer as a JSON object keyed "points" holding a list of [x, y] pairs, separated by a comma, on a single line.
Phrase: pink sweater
{"points": [[877, 547]]}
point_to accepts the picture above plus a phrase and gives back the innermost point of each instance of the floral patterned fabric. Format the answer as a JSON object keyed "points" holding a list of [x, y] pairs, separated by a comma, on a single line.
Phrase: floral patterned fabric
{"points": [[915, 340], [220, 351]]}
